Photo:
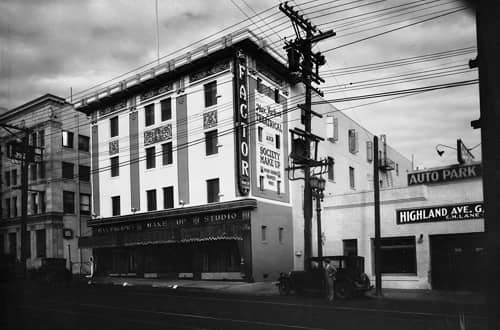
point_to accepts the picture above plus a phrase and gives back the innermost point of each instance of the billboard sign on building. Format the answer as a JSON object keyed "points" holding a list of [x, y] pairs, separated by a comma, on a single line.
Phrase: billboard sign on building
{"points": [[241, 123], [451, 173], [269, 150], [466, 211]]}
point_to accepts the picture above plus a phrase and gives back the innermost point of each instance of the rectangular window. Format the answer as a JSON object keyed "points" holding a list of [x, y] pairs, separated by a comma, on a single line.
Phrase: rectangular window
{"points": [[84, 173], [42, 202], [210, 93], [7, 208], [115, 166], [263, 233], [259, 133], [277, 140], [261, 182], [41, 243], [331, 173], [151, 199], [369, 151], [7, 178], [68, 170], [277, 95], [84, 204], [353, 141], [166, 150], [168, 197], [41, 138], [280, 235], [332, 129], [14, 177], [13, 244], [14, 206], [278, 187], [211, 142], [150, 157], [166, 109], [33, 173], [397, 169], [41, 170], [69, 202], [67, 139], [33, 139], [398, 255], [83, 143], [113, 126], [115, 205], [149, 114], [352, 184], [213, 190], [34, 203], [350, 247]]}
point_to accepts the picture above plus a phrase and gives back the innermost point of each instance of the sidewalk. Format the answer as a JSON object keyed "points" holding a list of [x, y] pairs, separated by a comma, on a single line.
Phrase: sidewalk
{"points": [[270, 289]]}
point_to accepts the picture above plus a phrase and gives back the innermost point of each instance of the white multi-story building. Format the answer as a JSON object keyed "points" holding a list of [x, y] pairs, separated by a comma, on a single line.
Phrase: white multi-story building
{"points": [[58, 182], [189, 165], [432, 230]]}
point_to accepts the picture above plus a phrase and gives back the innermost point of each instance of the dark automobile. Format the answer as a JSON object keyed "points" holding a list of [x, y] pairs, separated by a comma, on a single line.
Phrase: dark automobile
{"points": [[350, 277]]}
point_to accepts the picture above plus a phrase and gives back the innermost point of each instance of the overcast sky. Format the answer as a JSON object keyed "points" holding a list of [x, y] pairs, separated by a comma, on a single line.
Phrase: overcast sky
{"points": [[52, 45]]}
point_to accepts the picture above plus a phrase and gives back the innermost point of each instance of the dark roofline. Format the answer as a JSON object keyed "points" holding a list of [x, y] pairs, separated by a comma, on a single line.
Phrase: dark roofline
{"points": [[247, 45], [30, 104]]}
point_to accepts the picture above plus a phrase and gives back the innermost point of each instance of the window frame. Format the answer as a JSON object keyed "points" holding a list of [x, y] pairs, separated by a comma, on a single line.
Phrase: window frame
{"points": [[68, 208], [166, 109], [83, 143], [352, 177], [168, 203], [151, 200], [149, 114], [86, 173], [150, 157], [167, 153], [41, 243], [85, 205], [114, 129], [68, 170], [116, 206], [211, 142], [213, 197], [208, 88], [114, 166], [69, 139]]}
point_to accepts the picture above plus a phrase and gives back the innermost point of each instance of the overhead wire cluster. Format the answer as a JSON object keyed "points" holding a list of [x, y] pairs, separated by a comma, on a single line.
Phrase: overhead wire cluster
{"points": [[326, 10]]}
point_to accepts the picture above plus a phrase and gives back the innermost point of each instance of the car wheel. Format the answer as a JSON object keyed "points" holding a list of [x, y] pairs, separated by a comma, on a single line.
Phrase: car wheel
{"points": [[284, 288], [343, 290]]}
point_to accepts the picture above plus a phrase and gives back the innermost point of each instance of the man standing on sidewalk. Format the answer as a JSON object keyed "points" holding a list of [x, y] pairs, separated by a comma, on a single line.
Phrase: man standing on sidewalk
{"points": [[330, 272]]}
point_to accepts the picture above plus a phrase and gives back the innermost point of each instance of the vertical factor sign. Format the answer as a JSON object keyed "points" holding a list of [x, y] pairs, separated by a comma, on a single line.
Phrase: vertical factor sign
{"points": [[241, 123]]}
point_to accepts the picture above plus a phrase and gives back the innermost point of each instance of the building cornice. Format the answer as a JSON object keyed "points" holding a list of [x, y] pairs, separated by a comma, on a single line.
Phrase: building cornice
{"points": [[44, 99]]}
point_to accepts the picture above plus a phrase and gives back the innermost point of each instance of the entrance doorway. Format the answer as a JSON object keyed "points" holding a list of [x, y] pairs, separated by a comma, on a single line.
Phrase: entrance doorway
{"points": [[457, 261]]}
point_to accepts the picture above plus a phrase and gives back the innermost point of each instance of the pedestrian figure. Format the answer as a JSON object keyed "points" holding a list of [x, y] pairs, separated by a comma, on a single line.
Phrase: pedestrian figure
{"points": [[330, 272], [91, 275]]}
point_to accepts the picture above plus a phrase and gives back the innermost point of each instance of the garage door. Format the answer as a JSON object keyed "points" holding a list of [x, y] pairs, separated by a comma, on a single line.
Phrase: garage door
{"points": [[457, 261]]}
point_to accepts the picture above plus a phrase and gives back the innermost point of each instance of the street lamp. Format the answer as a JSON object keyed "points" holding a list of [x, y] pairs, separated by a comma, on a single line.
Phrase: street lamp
{"points": [[318, 187]]}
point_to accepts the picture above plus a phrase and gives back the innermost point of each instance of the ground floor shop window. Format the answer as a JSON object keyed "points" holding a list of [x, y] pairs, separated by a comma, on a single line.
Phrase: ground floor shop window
{"points": [[398, 255]]}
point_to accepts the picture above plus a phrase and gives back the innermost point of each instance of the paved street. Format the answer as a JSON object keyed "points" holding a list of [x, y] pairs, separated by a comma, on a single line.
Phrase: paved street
{"points": [[29, 306]]}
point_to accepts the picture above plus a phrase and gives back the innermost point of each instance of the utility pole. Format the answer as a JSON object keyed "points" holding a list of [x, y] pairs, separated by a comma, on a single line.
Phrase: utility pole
{"points": [[301, 61], [376, 197]]}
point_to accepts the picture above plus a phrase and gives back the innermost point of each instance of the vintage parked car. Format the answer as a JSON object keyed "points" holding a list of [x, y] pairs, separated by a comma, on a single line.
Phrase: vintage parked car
{"points": [[350, 277]]}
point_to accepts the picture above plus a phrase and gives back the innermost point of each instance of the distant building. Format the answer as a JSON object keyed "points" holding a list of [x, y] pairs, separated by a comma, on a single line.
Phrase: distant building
{"points": [[432, 231], [58, 186], [189, 166]]}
